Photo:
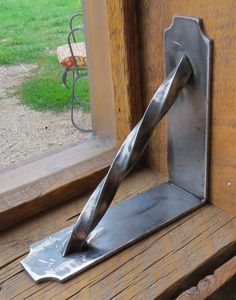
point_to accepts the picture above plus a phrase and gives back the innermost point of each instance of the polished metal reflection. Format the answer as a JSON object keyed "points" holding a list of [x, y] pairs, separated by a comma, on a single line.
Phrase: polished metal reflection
{"points": [[127, 156], [123, 224], [106, 233], [188, 120]]}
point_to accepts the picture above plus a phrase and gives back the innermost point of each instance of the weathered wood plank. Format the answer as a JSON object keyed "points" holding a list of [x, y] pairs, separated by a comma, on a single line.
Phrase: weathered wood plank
{"points": [[220, 285], [145, 270], [125, 65], [219, 23], [44, 183]]}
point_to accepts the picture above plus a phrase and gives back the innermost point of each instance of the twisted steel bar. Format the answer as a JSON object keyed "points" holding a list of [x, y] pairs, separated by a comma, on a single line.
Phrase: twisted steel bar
{"points": [[127, 157]]}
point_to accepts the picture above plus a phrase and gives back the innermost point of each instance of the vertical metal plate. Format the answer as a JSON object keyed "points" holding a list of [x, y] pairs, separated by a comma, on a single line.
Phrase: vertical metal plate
{"points": [[188, 119]]}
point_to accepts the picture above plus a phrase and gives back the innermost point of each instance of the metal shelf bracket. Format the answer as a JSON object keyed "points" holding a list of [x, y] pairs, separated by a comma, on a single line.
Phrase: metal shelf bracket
{"points": [[101, 232]]}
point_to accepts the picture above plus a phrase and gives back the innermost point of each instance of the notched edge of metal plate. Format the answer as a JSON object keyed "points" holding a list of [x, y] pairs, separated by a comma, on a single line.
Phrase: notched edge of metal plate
{"points": [[199, 21], [139, 215]]}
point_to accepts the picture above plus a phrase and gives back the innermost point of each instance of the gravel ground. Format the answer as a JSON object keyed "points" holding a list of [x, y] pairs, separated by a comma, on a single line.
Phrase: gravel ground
{"points": [[25, 133]]}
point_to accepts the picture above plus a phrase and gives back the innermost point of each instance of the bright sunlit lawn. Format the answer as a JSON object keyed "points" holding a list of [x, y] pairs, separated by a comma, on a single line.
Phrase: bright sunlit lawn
{"points": [[30, 33]]}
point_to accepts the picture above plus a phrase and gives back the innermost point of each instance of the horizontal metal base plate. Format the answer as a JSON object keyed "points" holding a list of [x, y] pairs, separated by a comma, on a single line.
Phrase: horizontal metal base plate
{"points": [[123, 224]]}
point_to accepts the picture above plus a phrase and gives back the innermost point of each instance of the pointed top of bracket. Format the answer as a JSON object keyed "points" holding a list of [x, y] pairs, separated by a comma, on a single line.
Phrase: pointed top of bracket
{"points": [[178, 21]]}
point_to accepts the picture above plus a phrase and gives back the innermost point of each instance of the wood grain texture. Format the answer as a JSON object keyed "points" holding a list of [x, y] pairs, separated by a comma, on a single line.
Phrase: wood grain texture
{"points": [[49, 181], [156, 267], [125, 66], [220, 285], [219, 23]]}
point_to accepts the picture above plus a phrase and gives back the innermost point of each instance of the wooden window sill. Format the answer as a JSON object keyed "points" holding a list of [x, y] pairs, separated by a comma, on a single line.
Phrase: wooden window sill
{"points": [[217, 285], [37, 185], [161, 266]]}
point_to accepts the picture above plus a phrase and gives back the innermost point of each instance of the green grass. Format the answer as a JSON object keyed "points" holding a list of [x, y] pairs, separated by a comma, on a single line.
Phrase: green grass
{"points": [[30, 30], [44, 91]]}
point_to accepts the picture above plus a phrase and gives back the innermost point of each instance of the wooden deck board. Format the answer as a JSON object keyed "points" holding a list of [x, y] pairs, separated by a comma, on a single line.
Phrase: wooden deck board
{"points": [[219, 285], [153, 268]]}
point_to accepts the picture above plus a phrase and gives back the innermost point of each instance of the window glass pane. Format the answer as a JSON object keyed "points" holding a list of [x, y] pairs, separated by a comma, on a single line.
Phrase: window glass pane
{"points": [[35, 106]]}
